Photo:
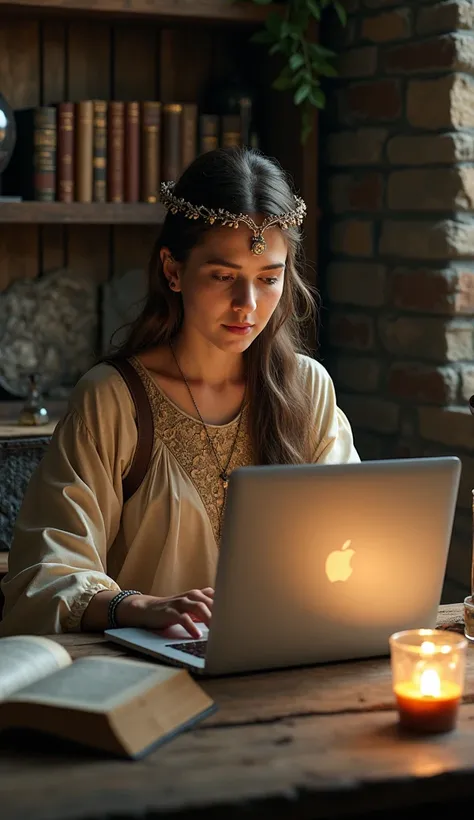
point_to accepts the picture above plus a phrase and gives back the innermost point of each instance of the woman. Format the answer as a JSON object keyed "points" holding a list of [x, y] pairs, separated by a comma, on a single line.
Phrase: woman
{"points": [[217, 348]]}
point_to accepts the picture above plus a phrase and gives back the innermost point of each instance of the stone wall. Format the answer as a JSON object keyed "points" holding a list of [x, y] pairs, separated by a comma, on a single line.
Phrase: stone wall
{"points": [[398, 203]]}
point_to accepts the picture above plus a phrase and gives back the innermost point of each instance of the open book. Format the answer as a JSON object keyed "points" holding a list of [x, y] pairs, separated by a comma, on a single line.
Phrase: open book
{"points": [[125, 707]]}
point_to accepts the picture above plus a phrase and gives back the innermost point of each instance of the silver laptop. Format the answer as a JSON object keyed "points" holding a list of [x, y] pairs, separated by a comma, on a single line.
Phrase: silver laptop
{"points": [[320, 563]]}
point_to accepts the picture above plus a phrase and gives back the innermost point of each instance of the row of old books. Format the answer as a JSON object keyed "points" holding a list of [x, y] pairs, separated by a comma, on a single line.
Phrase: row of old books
{"points": [[110, 151]]}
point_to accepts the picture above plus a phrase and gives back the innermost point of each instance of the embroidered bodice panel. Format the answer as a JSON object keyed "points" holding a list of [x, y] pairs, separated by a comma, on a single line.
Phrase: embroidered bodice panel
{"points": [[186, 439]]}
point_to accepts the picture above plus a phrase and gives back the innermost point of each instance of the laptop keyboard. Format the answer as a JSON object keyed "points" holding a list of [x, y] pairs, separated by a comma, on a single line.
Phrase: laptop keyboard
{"points": [[196, 648]]}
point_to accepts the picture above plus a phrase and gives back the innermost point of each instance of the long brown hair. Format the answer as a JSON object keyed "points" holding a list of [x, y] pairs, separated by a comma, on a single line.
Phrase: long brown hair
{"points": [[241, 181]]}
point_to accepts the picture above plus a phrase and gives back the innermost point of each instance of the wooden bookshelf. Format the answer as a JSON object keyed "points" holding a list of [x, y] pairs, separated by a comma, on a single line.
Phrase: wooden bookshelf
{"points": [[129, 50], [78, 213], [167, 50], [222, 11]]}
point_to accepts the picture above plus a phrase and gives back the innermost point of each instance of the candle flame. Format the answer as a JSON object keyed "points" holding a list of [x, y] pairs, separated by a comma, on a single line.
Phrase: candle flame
{"points": [[430, 684]]}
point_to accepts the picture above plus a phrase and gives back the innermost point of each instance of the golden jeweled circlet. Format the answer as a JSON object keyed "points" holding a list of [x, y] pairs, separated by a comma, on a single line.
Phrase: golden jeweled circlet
{"points": [[257, 245]]}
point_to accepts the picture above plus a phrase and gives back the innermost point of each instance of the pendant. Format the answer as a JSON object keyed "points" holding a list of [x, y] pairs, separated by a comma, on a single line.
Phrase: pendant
{"points": [[225, 479], [258, 244]]}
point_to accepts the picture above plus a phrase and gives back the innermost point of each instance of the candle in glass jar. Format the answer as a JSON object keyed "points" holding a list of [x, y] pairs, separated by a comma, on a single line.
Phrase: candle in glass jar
{"points": [[428, 676]]}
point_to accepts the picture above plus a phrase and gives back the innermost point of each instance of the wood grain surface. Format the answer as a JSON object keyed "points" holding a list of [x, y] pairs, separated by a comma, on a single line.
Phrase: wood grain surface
{"points": [[306, 743]]}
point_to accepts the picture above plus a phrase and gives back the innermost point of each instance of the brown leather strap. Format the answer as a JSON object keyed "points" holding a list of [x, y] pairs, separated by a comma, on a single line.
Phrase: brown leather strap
{"points": [[144, 421]]}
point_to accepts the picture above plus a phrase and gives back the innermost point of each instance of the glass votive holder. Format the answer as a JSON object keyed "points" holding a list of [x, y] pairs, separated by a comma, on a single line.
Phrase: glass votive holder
{"points": [[469, 617], [428, 668]]}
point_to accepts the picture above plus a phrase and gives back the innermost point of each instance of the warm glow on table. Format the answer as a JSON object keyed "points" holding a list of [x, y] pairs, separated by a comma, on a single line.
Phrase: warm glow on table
{"points": [[428, 674]]}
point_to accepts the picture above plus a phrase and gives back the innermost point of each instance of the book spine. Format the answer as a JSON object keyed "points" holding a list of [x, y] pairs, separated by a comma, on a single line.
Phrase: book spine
{"points": [[84, 150], [151, 141], [188, 134], [99, 153], [245, 120], [65, 152], [171, 156], [208, 133], [132, 152], [45, 153], [115, 164], [230, 131], [254, 140]]}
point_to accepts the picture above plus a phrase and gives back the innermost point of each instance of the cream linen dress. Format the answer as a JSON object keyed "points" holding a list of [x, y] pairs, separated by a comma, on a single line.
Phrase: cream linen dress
{"points": [[73, 536]]}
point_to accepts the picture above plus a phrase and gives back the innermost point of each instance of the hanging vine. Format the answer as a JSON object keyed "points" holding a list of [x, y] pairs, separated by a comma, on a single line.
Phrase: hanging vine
{"points": [[306, 62]]}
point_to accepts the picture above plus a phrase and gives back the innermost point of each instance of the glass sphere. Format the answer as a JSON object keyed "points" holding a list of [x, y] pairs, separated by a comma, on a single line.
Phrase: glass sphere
{"points": [[7, 133]]}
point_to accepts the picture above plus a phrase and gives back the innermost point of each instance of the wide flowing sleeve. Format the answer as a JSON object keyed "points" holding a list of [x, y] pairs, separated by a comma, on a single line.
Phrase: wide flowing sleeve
{"points": [[71, 511], [332, 437]]}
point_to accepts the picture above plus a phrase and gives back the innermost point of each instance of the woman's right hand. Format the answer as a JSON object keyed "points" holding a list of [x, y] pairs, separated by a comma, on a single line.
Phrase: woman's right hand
{"points": [[149, 612]]}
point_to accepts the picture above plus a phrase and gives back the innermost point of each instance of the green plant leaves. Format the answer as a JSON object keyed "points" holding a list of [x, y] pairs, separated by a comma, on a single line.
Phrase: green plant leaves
{"points": [[285, 80], [319, 52], [317, 98], [274, 24], [301, 93], [314, 9], [296, 61], [287, 32], [341, 13]]}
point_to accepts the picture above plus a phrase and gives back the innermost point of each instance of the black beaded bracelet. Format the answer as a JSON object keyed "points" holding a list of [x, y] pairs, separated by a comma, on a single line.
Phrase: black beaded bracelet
{"points": [[113, 604]]}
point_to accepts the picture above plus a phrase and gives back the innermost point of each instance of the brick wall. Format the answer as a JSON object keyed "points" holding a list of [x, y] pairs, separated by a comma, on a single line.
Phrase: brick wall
{"points": [[398, 203]]}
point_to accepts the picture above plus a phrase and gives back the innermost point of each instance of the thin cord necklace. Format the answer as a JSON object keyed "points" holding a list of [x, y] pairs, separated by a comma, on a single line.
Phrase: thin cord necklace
{"points": [[223, 471]]}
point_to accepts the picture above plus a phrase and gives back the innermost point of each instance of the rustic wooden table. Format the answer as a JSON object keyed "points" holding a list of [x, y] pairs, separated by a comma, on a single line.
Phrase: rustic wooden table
{"points": [[298, 744]]}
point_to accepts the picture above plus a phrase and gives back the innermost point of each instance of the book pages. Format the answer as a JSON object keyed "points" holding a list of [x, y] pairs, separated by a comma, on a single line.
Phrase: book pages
{"points": [[95, 684], [25, 659]]}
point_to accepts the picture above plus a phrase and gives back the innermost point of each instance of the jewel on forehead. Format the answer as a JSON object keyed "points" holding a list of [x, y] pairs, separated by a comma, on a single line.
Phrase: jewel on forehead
{"points": [[258, 245]]}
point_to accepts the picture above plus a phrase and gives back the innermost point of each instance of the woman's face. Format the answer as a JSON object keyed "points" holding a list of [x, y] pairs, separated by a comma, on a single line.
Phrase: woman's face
{"points": [[229, 294]]}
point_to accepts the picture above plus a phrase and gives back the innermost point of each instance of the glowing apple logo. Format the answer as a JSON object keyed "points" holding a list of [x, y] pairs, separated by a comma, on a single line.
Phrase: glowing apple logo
{"points": [[338, 563]]}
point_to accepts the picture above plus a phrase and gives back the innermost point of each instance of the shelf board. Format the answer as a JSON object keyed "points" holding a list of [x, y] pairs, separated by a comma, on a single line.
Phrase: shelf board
{"points": [[96, 213], [180, 10]]}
